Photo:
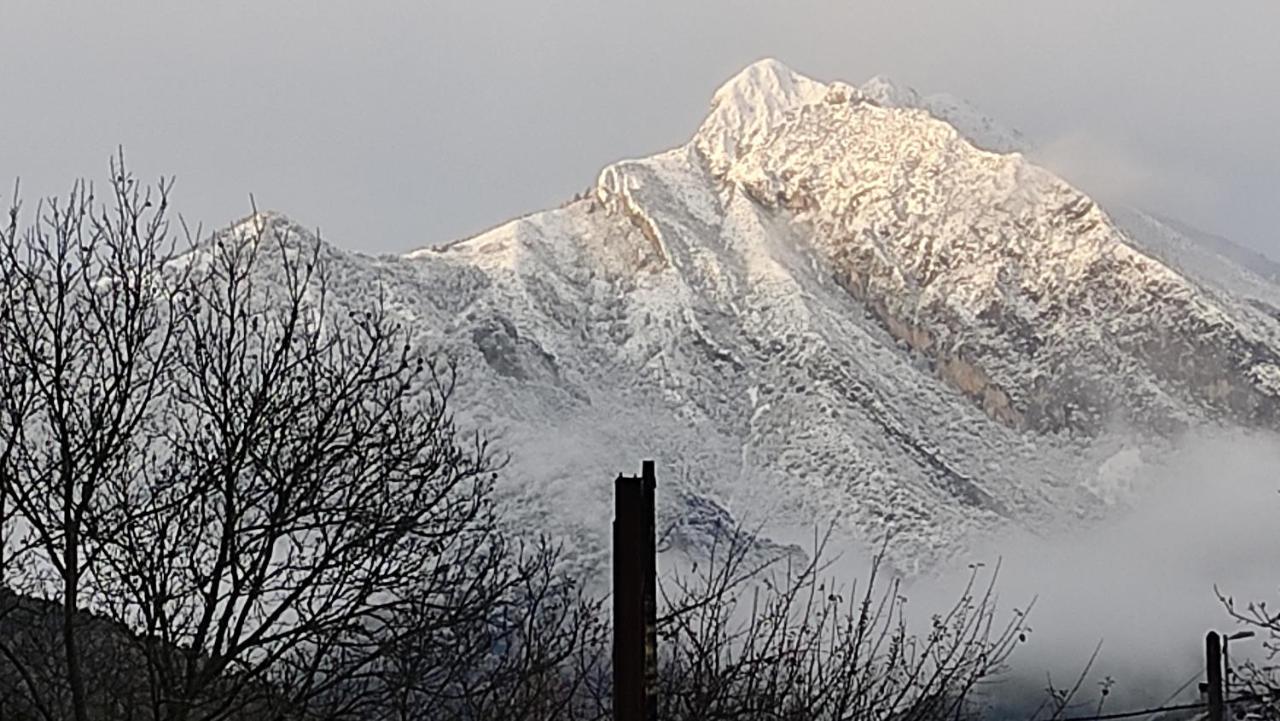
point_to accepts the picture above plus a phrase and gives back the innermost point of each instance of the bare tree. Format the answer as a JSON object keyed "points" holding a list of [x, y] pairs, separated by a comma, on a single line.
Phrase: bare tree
{"points": [[259, 487], [311, 484], [86, 345]]}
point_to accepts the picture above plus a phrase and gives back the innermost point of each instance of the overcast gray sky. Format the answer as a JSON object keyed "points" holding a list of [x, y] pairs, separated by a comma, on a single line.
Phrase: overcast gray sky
{"points": [[393, 125]]}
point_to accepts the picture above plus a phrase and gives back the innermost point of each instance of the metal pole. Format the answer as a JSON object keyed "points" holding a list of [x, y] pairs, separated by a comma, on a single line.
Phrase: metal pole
{"points": [[634, 598], [628, 603], [648, 479], [1213, 671]]}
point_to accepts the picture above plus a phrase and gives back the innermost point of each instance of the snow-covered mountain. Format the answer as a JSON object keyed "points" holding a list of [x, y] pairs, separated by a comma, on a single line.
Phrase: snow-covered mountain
{"points": [[835, 302]]}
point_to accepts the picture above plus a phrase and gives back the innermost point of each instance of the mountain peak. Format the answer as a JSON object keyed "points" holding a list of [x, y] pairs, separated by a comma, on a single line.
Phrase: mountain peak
{"points": [[752, 101], [767, 77]]}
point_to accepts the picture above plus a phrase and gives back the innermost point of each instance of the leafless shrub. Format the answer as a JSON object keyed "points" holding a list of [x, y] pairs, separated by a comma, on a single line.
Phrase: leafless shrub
{"points": [[778, 639], [1255, 682], [537, 649]]}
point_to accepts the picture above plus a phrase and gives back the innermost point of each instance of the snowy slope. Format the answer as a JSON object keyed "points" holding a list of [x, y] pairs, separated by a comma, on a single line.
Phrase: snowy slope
{"points": [[829, 304], [976, 126]]}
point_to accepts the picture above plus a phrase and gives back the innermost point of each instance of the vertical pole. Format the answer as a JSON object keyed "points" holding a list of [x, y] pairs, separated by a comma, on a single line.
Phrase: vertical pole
{"points": [[649, 481], [1213, 671], [635, 598], [628, 602]]}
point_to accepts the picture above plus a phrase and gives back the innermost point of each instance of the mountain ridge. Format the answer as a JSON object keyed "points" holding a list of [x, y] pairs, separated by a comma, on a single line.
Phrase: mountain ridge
{"points": [[827, 306]]}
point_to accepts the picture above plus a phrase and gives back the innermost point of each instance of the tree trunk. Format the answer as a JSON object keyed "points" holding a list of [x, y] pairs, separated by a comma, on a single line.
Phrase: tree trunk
{"points": [[71, 591]]}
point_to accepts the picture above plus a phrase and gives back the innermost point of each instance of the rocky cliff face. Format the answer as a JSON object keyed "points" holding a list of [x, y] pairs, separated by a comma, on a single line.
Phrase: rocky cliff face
{"points": [[833, 304]]}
